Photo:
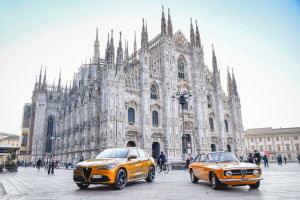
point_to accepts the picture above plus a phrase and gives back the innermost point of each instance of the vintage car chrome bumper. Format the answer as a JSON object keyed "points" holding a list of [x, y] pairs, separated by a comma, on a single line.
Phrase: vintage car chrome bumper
{"points": [[241, 180]]}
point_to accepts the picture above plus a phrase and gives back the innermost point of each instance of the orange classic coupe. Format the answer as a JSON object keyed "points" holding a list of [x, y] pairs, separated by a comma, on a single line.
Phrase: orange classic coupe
{"points": [[223, 168], [116, 167]]}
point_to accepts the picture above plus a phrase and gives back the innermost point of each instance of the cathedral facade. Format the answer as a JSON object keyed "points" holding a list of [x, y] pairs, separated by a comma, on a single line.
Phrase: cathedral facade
{"points": [[126, 100]]}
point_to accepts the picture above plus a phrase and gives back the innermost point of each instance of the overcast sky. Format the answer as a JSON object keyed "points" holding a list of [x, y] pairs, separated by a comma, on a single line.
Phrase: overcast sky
{"points": [[260, 40]]}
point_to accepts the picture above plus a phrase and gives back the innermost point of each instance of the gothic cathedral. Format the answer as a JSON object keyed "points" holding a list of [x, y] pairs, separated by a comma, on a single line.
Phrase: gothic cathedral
{"points": [[126, 100]]}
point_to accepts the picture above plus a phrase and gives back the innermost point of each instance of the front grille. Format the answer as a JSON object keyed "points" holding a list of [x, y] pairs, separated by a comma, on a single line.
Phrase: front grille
{"points": [[103, 179], [87, 173], [238, 172], [243, 172], [77, 178]]}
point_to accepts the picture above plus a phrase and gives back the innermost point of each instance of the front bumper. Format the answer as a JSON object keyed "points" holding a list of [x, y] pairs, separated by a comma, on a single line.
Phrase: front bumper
{"points": [[241, 180]]}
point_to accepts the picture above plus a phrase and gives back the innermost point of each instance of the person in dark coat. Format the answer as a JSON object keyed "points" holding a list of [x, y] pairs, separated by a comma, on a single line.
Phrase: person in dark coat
{"points": [[284, 159], [39, 163], [265, 158], [298, 158], [81, 159], [187, 163], [51, 165], [162, 159], [250, 158], [257, 157]]}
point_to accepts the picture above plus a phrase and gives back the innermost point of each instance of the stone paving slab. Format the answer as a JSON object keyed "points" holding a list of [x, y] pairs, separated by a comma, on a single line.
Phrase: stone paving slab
{"points": [[280, 182]]}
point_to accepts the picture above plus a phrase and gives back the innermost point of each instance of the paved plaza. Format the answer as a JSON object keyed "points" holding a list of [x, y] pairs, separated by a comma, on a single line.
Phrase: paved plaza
{"points": [[280, 182]]}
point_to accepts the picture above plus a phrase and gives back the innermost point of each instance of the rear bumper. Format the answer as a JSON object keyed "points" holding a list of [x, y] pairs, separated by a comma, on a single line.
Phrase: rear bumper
{"points": [[240, 180]]}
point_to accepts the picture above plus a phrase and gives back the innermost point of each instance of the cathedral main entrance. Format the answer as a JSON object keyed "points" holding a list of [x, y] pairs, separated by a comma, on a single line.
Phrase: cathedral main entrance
{"points": [[155, 150], [228, 147], [131, 144]]}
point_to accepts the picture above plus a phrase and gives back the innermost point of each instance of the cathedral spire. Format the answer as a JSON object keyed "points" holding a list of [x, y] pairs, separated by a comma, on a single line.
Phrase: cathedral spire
{"points": [[170, 27], [192, 35], [59, 81], [229, 84], [234, 84], [126, 52], [74, 80], [96, 49], [40, 78], [214, 61], [144, 37], [163, 23], [198, 40], [112, 48], [120, 52], [107, 48], [44, 81], [135, 47]]}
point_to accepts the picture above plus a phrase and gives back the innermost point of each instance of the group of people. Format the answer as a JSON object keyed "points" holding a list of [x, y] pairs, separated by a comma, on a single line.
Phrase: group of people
{"points": [[279, 159], [256, 158]]}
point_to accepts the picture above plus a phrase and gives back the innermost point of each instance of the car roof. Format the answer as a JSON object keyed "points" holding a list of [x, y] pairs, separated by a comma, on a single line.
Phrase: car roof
{"points": [[215, 152]]}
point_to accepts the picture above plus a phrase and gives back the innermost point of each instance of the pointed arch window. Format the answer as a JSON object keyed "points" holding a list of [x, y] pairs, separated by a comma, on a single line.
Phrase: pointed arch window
{"points": [[211, 124], [153, 91], [155, 118], [131, 115], [50, 125], [186, 105], [181, 69], [209, 101], [226, 125]]}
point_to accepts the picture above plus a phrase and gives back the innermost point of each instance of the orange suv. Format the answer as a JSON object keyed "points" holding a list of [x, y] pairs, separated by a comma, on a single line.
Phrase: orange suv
{"points": [[116, 167]]}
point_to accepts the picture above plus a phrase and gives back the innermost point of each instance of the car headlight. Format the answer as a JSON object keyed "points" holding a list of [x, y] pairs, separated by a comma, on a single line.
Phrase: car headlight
{"points": [[255, 172], [228, 173], [78, 167], [107, 167]]}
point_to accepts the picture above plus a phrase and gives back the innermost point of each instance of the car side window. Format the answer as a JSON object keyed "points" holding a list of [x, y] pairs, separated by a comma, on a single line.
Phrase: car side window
{"points": [[133, 152], [197, 159], [203, 158], [142, 153]]}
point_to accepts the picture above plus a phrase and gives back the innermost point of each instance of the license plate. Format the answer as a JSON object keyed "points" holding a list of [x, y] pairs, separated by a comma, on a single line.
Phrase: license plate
{"points": [[97, 176]]}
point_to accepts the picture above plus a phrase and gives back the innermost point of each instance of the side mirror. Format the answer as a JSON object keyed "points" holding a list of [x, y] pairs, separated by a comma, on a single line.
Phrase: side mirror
{"points": [[133, 156], [94, 157]]}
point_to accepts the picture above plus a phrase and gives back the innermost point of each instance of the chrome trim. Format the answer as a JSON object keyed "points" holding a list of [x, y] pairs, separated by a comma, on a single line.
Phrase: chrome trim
{"points": [[241, 180]]}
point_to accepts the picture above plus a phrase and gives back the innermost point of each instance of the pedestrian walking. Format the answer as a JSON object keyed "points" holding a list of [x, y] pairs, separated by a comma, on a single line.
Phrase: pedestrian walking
{"points": [[81, 159], [38, 164], [187, 163], [265, 158], [298, 158], [284, 159], [46, 163], [51, 165], [257, 157], [250, 158], [25, 163]]}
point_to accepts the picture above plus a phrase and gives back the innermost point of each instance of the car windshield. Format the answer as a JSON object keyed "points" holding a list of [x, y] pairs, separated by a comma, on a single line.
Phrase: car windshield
{"points": [[221, 157], [113, 153]]}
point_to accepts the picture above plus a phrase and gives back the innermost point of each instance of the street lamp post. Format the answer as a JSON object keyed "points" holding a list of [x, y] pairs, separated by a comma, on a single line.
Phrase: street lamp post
{"points": [[36, 145], [182, 99], [53, 138]]}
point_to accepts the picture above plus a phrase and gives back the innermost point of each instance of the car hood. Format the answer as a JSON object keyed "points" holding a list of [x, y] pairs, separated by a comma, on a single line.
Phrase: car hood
{"points": [[99, 162], [227, 166]]}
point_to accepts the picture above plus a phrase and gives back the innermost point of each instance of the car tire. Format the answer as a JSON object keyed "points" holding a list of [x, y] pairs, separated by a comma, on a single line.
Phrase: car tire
{"points": [[82, 185], [121, 179], [151, 174], [215, 182], [193, 177], [255, 185]]}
